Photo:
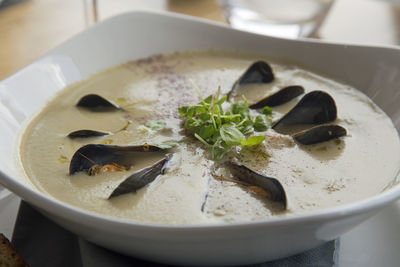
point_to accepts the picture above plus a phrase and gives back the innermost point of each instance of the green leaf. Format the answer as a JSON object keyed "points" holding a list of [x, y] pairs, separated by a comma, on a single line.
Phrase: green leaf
{"points": [[187, 111], [201, 139], [266, 110], [167, 144], [231, 135], [189, 123], [183, 110], [205, 116], [261, 123], [192, 123], [156, 125], [234, 118], [208, 99], [200, 109], [217, 152], [238, 108], [205, 131], [246, 126], [253, 140], [222, 100]]}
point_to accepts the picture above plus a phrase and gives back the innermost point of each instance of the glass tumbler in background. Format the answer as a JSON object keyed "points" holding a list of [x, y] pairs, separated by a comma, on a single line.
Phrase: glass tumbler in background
{"points": [[90, 11], [283, 18]]}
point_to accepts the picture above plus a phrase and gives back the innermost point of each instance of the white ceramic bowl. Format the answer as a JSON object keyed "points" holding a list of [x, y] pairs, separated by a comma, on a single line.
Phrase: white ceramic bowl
{"points": [[374, 70]]}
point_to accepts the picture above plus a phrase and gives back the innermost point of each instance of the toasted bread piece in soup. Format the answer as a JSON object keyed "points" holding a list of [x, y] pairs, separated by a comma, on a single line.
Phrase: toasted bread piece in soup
{"points": [[9, 256]]}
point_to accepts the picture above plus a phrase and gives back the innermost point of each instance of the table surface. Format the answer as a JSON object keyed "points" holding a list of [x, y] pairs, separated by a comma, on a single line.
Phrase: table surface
{"points": [[29, 28]]}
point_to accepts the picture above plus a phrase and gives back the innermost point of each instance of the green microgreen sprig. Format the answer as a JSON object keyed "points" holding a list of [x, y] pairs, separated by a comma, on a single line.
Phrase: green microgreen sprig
{"points": [[220, 130], [156, 125]]}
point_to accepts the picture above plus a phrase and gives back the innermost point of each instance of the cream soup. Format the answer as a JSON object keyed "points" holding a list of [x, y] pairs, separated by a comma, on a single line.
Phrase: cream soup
{"points": [[354, 167]]}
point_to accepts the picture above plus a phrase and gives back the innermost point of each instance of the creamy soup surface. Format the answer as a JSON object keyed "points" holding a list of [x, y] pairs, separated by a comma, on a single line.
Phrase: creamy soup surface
{"points": [[315, 177]]}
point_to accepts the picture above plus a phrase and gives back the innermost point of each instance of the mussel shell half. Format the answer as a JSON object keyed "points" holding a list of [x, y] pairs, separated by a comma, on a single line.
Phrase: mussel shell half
{"points": [[320, 133], [280, 97], [258, 72], [85, 134], [316, 107], [141, 178], [97, 103], [271, 185], [89, 155]]}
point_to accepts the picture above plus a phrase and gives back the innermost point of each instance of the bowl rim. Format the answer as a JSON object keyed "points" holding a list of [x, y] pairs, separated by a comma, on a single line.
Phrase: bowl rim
{"points": [[47, 203], [53, 205]]}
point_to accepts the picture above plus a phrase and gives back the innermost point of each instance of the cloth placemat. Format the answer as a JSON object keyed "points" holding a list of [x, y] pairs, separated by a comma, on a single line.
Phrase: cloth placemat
{"points": [[43, 243]]}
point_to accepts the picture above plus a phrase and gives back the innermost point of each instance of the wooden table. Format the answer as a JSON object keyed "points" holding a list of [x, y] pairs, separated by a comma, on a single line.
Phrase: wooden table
{"points": [[29, 28]]}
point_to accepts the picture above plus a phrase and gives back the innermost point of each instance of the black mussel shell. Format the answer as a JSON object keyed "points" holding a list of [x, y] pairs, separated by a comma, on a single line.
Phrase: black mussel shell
{"points": [[316, 107], [89, 155], [141, 178], [319, 134], [85, 134], [258, 72], [97, 103], [280, 97], [271, 185]]}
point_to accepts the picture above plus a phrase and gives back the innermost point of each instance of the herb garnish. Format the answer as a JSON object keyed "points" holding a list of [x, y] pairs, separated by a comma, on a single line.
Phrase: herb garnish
{"points": [[220, 130], [167, 144], [156, 125]]}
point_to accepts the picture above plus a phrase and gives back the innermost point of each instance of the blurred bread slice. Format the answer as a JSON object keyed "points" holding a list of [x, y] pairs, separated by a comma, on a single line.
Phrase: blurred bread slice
{"points": [[9, 256]]}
